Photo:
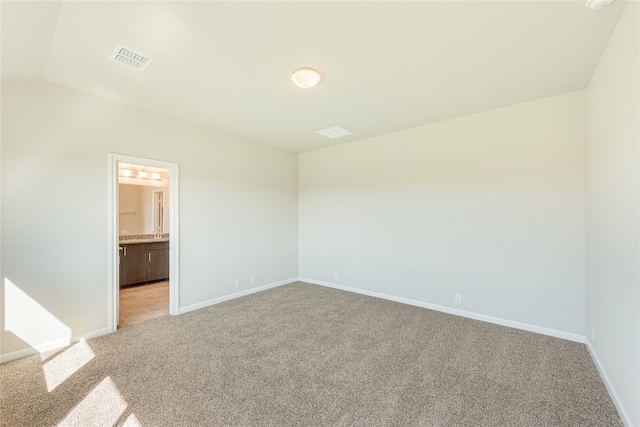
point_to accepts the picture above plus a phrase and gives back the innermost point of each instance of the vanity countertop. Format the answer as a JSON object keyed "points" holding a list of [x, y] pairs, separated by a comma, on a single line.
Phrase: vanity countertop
{"points": [[142, 238], [135, 241]]}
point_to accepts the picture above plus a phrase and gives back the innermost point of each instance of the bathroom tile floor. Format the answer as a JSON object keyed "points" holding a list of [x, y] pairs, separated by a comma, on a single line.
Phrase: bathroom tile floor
{"points": [[143, 302]]}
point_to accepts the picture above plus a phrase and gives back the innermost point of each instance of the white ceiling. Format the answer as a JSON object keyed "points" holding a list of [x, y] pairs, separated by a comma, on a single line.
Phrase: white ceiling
{"points": [[387, 65]]}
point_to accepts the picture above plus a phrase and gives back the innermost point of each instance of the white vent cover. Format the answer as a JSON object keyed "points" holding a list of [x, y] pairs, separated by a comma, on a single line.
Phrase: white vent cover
{"points": [[130, 58], [333, 132]]}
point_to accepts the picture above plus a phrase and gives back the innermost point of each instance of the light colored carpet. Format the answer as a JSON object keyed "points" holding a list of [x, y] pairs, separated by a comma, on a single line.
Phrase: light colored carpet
{"points": [[306, 355]]}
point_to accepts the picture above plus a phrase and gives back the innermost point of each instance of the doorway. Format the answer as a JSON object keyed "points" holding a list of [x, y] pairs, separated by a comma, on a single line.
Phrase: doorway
{"points": [[148, 229]]}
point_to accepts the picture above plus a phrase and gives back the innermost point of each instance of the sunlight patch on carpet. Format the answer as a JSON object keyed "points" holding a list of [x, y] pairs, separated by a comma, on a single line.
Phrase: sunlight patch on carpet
{"points": [[101, 407], [61, 367], [131, 421]]}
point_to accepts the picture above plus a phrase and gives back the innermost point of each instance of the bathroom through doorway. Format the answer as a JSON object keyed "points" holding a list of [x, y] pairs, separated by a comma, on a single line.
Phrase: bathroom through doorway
{"points": [[143, 213]]}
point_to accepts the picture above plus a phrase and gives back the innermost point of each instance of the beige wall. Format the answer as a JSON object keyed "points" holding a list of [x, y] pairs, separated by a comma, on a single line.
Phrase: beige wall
{"points": [[490, 206], [613, 214], [238, 203]]}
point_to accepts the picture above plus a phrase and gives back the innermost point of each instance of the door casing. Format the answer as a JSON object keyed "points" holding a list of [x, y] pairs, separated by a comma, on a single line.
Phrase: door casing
{"points": [[114, 240]]}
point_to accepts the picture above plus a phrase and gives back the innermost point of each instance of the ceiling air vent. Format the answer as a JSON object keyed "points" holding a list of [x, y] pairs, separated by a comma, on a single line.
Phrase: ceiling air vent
{"points": [[130, 58], [333, 132]]}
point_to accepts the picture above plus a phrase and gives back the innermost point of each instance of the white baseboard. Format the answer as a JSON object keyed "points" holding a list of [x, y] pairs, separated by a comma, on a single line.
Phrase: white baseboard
{"points": [[490, 319], [607, 382], [52, 345], [214, 301]]}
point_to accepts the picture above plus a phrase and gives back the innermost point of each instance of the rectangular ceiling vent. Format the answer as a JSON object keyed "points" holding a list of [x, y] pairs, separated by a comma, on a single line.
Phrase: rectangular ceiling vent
{"points": [[130, 58], [333, 132]]}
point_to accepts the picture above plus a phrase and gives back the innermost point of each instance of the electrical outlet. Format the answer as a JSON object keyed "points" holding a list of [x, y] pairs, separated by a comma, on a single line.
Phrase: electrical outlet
{"points": [[458, 298], [253, 280], [335, 275], [237, 284]]}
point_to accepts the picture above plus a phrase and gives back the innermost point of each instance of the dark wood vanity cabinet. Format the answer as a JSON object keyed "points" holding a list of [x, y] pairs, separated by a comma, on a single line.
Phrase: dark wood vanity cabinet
{"points": [[133, 267], [157, 261], [143, 262]]}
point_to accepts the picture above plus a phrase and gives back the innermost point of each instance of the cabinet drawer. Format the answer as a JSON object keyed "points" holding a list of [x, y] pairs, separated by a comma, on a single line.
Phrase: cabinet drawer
{"points": [[157, 245]]}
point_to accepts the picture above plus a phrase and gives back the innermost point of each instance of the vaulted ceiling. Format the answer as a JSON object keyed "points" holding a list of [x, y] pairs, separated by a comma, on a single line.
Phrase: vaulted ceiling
{"points": [[386, 66]]}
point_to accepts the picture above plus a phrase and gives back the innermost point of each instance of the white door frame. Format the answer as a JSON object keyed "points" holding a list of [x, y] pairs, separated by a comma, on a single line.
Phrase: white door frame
{"points": [[114, 239]]}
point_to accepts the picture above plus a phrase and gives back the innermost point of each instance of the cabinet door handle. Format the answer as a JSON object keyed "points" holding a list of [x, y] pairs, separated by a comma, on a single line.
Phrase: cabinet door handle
{"points": [[149, 256], [125, 251]]}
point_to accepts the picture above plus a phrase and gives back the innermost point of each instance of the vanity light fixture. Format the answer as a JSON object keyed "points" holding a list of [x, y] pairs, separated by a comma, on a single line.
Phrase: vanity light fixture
{"points": [[306, 77], [129, 173]]}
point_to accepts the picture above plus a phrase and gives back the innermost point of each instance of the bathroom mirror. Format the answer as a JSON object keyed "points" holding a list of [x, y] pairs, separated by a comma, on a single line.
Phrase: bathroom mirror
{"points": [[143, 200]]}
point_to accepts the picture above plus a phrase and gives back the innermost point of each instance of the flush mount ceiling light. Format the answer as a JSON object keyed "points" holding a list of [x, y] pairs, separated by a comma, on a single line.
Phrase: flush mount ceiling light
{"points": [[306, 77], [597, 4]]}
